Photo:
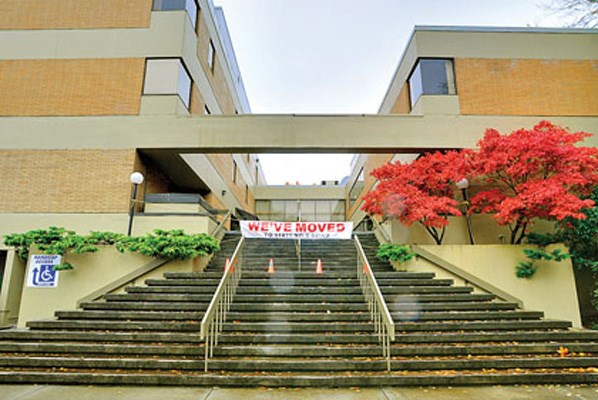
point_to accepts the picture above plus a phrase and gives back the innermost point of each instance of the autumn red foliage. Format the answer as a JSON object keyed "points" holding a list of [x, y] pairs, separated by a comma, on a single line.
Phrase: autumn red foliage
{"points": [[534, 173], [420, 191], [529, 173]]}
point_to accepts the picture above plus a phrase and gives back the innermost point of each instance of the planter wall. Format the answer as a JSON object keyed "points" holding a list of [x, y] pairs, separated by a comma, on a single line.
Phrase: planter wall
{"points": [[93, 271], [551, 290]]}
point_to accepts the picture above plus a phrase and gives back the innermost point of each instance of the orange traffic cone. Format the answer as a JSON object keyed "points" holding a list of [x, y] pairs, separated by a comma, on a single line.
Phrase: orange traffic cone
{"points": [[319, 267], [271, 266], [227, 265]]}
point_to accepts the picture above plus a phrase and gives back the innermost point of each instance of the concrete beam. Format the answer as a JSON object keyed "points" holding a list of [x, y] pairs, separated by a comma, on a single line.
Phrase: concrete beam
{"points": [[266, 133]]}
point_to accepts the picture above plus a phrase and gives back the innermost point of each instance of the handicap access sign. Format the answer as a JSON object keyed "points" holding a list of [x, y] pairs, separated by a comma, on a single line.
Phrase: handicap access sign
{"points": [[41, 271]]}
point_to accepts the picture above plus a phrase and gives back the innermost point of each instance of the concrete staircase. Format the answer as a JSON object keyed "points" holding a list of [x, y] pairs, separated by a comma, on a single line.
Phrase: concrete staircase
{"points": [[298, 328]]}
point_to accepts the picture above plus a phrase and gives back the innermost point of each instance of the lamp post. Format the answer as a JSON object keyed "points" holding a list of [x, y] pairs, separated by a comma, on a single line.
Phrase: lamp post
{"points": [[463, 184], [136, 179]]}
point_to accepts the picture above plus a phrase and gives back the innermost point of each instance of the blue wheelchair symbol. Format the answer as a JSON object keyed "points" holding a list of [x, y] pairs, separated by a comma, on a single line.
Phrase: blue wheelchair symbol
{"points": [[44, 276]]}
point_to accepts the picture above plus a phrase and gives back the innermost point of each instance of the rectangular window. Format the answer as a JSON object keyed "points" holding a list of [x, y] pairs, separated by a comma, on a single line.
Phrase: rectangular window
{"points": [[235, 171], [174, 5], [211, 55], [167, 76], [431, 76]]}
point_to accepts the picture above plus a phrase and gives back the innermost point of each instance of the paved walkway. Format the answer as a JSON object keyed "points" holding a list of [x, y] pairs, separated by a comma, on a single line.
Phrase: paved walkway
{"points": [[45, 392]]}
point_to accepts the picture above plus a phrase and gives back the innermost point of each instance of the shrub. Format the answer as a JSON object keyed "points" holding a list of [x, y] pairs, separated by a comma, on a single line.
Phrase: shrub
{"points": [[395, 252], [174, 244]]}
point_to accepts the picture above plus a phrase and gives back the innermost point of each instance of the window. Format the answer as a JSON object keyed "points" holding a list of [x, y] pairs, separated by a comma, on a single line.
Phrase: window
{"points": [[211, 55], [235, 171], [166, 77], [174, 5], [431, 76], [307, 210]]}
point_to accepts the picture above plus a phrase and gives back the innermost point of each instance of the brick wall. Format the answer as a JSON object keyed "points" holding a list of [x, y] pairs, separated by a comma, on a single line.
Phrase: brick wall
{"points": [[55, 181], [71, 87], [74, 14], [527, 87]]}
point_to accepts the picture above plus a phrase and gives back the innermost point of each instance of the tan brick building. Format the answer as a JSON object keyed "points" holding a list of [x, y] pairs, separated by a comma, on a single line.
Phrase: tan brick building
{"points": [[93, 90]]}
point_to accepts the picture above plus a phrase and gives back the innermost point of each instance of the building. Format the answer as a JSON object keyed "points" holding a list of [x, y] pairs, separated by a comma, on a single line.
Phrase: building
{"points": [[92, 91]]}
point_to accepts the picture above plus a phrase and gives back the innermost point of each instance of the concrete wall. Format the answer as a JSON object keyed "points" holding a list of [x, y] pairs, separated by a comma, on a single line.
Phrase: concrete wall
{"points": [[484, 227], [12, 287], [551, 290]]}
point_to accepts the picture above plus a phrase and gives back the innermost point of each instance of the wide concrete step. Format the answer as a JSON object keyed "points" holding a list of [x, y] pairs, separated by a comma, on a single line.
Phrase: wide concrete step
{"points": [[123, 349], [298, 338], [195, 316], [160, 297], [308, 317], [153, 305], [467, 315], [324, 379], [297, 274], [286, 327], [400, 305], [299, 307], [171, 326], [130, 315], [299, 298], [120, 349], [480, 326], [501, 349], [304, 365], [514, 336], [102, 336], [440, 298]]}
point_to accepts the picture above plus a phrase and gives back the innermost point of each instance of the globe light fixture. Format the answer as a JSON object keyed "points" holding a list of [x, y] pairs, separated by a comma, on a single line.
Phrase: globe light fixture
{"points": [[136, 179], [463, 184]]}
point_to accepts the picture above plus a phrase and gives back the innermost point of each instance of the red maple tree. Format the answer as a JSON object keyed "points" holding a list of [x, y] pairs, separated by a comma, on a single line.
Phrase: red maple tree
{"points": [[534, 173], [421, 191]]}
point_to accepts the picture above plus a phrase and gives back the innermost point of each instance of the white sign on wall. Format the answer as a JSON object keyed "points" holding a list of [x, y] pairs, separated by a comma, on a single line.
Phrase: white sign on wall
{"points": [[41, 271], [296, 230]]}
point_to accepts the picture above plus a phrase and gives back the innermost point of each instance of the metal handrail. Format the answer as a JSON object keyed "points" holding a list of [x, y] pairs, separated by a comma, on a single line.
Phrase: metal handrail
{"points": [[298, 252], [213, 319], [216, 231], [383, 322]]}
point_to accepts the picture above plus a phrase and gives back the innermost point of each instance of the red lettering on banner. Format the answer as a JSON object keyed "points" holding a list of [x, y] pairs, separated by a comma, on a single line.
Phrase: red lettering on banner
{"points": [[265, 227], [312, 228], [330, 227], [301, 227], [288, 227], [321, 227], [254, 226], [340, 227]]}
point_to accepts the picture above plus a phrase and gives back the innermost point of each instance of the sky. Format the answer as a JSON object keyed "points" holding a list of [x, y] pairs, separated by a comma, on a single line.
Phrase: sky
{"points": [[338, 57]]}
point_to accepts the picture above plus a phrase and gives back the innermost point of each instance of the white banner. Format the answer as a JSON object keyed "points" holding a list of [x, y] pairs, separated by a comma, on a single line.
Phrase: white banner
{"points": [[296, 230]]}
